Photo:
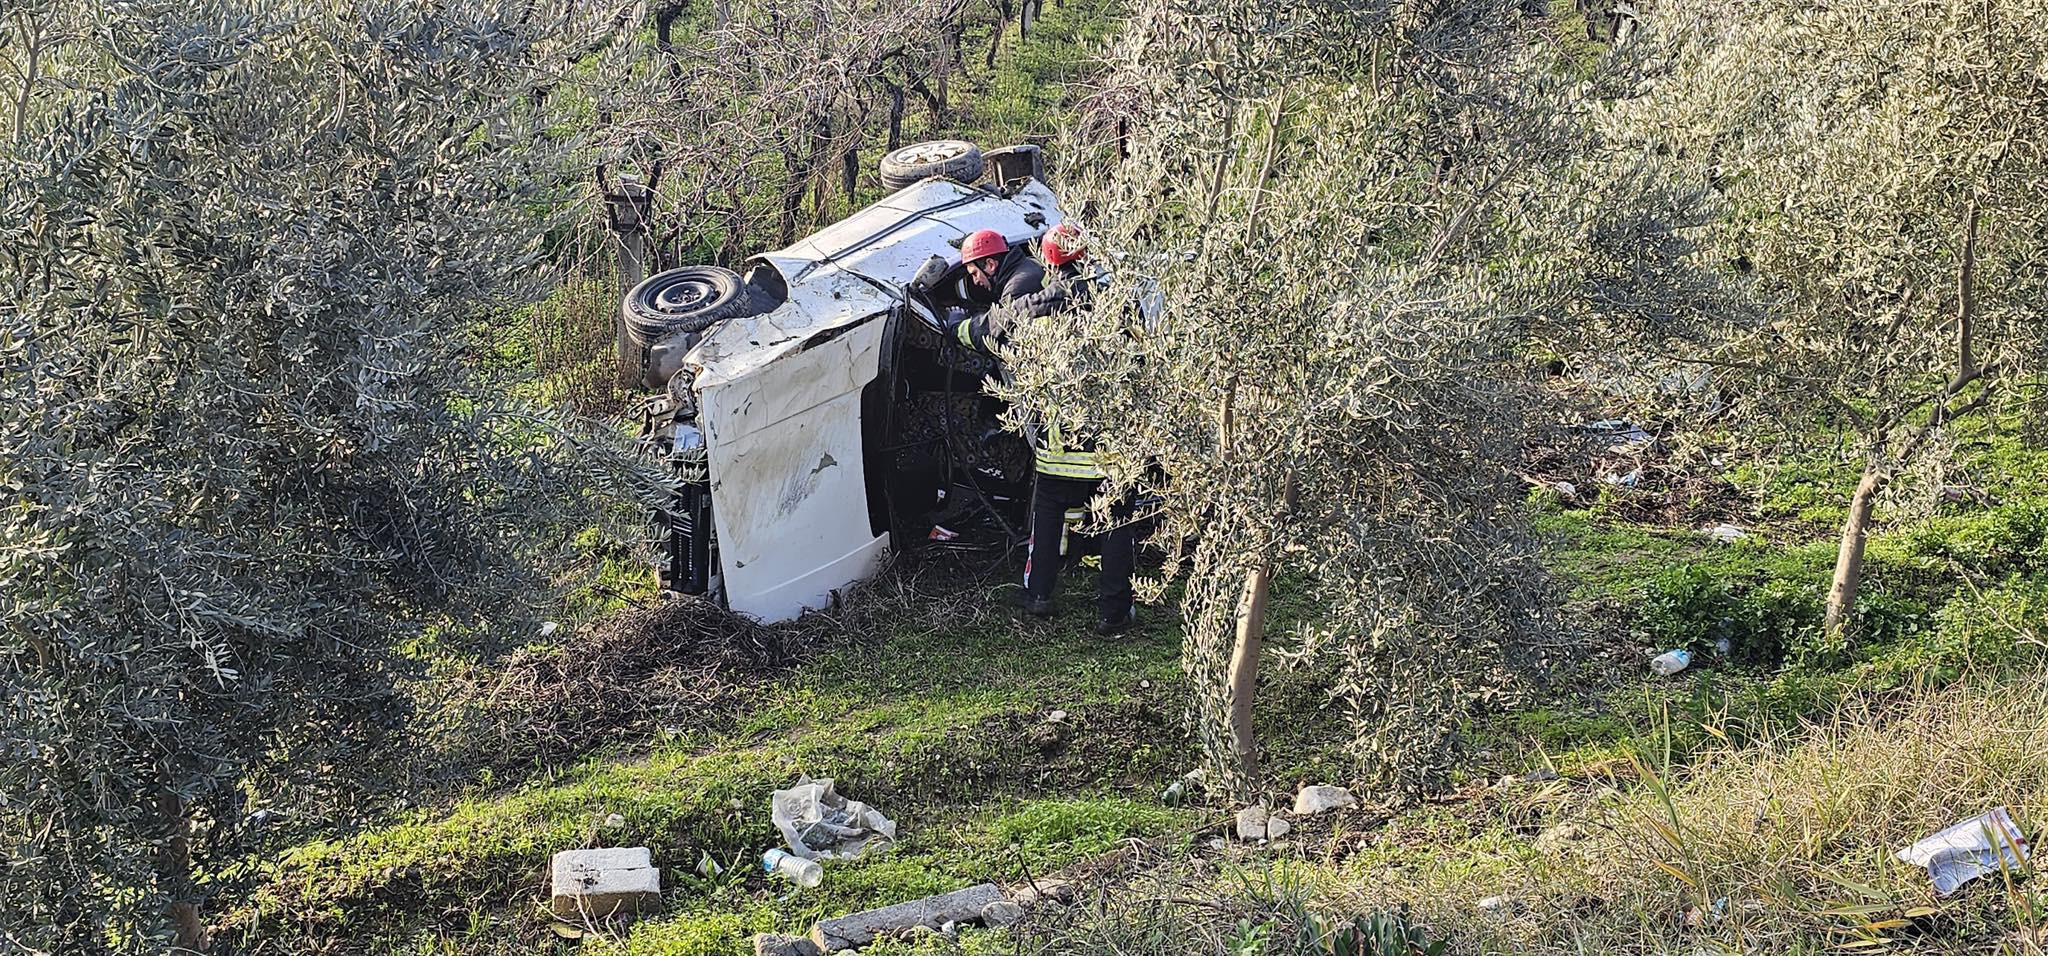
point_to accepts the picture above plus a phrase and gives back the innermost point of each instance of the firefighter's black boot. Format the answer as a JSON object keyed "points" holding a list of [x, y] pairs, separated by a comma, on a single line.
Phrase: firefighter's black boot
{"points": [[1112, 626]]}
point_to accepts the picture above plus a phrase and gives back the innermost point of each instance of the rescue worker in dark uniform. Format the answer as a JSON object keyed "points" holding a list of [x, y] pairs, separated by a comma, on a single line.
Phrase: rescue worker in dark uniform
{"points": [[1067, 473]]}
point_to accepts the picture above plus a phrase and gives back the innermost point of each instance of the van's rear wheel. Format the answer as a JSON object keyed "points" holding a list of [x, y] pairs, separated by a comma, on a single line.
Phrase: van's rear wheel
{"points": [[954, 159], [689, 299]]}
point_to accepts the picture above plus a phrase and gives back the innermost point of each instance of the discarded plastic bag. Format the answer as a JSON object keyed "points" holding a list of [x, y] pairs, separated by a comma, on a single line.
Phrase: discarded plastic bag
{"points": [[1968, 850], [1726, 533], [819, 824]]}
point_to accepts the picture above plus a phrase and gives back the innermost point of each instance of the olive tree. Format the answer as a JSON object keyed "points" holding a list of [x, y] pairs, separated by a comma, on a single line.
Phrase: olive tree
{"points": [[1330, 205], [251, 447], [1880, 171], [748, 119]]}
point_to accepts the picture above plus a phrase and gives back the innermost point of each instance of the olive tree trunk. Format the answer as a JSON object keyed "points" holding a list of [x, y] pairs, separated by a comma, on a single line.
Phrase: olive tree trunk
{"points": [[1241, 682], [1243, 677], [1849, 560], [1948, 406], [174, 869]]}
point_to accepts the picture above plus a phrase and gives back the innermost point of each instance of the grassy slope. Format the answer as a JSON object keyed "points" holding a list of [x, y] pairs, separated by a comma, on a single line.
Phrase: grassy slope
{"points": [[1747, 805], [943, 726]]}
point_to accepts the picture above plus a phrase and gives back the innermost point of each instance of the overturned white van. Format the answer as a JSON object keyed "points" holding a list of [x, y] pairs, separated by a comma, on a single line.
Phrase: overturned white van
{"points": [[810, 403]]}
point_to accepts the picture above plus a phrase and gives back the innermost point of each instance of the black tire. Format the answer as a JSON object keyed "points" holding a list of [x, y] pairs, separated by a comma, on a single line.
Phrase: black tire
{"points": [[689, 299], [957, 160]]}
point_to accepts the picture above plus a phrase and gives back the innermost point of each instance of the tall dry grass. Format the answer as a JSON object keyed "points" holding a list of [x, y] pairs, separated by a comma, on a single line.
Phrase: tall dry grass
{"points": [[1780, 848]]}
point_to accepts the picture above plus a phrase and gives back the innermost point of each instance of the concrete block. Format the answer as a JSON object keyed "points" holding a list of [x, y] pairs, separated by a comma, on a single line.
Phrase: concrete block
{"points": [[603, 882], [860, 929]]}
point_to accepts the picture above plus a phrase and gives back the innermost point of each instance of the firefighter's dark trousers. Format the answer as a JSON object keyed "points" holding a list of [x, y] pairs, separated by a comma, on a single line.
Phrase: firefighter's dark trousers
{"points": [[1050, 499]]}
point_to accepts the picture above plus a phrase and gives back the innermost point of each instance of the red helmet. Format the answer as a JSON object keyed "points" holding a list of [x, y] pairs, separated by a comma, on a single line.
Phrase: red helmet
{"points": [[983, 244], [1062, 244]]}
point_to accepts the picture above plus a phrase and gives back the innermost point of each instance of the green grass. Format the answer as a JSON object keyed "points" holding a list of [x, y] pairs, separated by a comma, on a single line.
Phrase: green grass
{"points": [[1952, 589], [1030, 95], [946, 731], [1781, 847], [946, 728], [1082, 827]]}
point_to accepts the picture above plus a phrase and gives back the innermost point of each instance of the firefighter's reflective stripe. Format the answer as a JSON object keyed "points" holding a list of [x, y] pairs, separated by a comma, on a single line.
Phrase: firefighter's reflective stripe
{"points": [[1054, 459], [965, 333]]}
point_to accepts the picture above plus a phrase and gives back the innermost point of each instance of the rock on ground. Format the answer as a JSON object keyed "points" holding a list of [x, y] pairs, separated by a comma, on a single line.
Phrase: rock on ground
{"points": [[1001, 913], [774, 944], [1044, 889], [1251, 823], [1318, 798], [860, 929]]}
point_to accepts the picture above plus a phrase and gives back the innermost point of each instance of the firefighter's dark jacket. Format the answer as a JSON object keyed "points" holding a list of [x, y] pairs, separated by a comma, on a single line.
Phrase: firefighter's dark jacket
{"points": [[1023, 290]]}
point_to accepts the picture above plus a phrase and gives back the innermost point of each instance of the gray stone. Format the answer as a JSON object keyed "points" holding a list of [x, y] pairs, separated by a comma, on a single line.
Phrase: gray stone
{"points": [[602, 882], [1277, 827], [1251, 823], [1540, 775], [1001, 913], [775, 944], [860, 929], [1316, 799]]}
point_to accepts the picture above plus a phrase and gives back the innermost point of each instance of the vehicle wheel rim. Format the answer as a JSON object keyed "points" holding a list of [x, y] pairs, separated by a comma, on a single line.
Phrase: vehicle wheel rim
{"points": [[684, 297], [933, 153]]}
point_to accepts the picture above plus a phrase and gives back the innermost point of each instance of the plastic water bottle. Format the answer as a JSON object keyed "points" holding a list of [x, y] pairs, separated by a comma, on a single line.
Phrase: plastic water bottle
{"points": [[1671, 662], [802, 872]]}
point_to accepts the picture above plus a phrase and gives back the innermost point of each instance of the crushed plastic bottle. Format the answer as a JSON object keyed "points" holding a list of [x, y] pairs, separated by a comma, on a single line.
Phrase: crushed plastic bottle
{"points": [[805, 873], [1671, 662]]}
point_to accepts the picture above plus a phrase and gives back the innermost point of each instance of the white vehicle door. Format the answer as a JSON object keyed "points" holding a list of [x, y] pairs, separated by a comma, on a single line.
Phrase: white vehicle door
{"points": [[788, 477]]}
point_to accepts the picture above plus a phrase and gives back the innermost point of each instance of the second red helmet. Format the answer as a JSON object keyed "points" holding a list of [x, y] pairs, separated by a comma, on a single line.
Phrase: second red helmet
{"points": [[1062, 244]]}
